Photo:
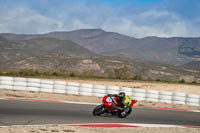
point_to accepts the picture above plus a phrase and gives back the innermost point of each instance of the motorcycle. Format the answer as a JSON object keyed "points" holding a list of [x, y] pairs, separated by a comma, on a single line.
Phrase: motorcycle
{"points": [[110, 105]]}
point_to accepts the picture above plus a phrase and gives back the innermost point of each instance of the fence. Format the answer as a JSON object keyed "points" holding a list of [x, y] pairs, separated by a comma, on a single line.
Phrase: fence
{"points": [[31, 84]]}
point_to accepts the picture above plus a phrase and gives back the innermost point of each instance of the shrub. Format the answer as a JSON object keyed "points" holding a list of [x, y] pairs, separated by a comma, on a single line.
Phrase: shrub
{"points": [[194, 82], [122, 73], [72, 74], [158, 80], [181, 81]]}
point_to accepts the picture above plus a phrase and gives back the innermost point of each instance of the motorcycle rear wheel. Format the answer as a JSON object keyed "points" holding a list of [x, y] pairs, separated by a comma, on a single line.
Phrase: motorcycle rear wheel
{"points": [[98, 110], [125, 113]]}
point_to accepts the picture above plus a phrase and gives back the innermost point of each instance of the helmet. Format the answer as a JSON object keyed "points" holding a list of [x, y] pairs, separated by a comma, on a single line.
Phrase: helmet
{"points": [[122, 95]]}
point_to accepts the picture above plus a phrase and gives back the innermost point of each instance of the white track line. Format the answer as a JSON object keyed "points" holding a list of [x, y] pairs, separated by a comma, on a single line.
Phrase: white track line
{"points": [[197, 111]]}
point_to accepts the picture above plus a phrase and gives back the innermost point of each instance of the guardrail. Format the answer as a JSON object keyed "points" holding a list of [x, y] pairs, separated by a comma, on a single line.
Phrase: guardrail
{"points": [[49, 86]]}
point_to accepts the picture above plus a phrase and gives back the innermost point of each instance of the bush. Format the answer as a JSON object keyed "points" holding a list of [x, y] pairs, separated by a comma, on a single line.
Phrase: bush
{"points": [[137, 77], [194, 82], [181, 81], [158, 80], [54, 74], [122, 73], [72, 74]]}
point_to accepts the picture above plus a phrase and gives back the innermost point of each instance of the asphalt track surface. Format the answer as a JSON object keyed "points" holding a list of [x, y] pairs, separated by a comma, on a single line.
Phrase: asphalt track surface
{"points": [[34, 113]]}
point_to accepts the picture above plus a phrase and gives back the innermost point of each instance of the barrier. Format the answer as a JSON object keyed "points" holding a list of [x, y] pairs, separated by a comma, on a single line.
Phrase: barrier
{"points": [[98, 94], [73, 84], [166, 93], [72, 88], [99, 90], [32, 84], [192, 100], [3, 78], [86, 89], [19, 85], [31, 80], [193, 96], [165, 101], [128, 91], [115, 88], [16, 79], [152, 92], [33, 89], [152, 99], [142, 95], [139, 94], [165, 97], [6, 82], [46, 88], [178, 102], [59, 87], [6, 87], [112, 92], [85, 93], [139, 98], [99, 87], [177, 98]]}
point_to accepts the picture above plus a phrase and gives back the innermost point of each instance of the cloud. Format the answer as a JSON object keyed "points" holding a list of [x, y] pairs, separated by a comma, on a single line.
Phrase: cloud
{"points": [[24, 20], [149, 23], [68, 16]]}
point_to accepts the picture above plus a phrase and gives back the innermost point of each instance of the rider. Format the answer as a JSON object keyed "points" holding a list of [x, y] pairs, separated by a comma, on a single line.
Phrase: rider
{"points": [[121, 97]]}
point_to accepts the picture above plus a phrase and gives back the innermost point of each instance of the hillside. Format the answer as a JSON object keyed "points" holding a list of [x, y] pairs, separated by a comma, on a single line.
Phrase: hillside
{"points": [[101, 66], [192, 65], [175, 51], [43, 46], [10, 50], [15, 50]]}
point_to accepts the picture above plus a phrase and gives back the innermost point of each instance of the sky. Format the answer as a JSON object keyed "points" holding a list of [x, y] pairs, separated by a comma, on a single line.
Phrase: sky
{"points": [[135, 18]]}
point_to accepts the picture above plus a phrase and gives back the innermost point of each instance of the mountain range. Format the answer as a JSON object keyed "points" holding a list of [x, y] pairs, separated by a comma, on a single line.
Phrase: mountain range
{"points": [[101, 51], [175, 50]]}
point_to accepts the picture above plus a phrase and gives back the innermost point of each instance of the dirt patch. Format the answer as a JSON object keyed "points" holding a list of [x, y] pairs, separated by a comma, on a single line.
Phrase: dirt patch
{"points": [[67, 129]]}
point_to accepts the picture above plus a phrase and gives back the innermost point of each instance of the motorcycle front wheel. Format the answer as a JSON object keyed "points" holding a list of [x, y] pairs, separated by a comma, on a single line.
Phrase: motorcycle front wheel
{"points": [[98, 110]]}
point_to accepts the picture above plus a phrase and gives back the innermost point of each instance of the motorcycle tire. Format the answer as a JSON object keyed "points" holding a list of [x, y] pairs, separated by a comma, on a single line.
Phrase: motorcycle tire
{"points": [[125, 113], [114, 113], [98, 110]]}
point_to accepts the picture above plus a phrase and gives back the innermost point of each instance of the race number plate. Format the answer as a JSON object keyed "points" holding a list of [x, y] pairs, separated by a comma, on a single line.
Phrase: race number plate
{"points": [[109, 99]]}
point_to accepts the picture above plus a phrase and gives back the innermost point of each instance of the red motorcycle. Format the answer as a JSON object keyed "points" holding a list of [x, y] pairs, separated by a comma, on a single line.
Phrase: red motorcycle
{"points": [[110, 105]]}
